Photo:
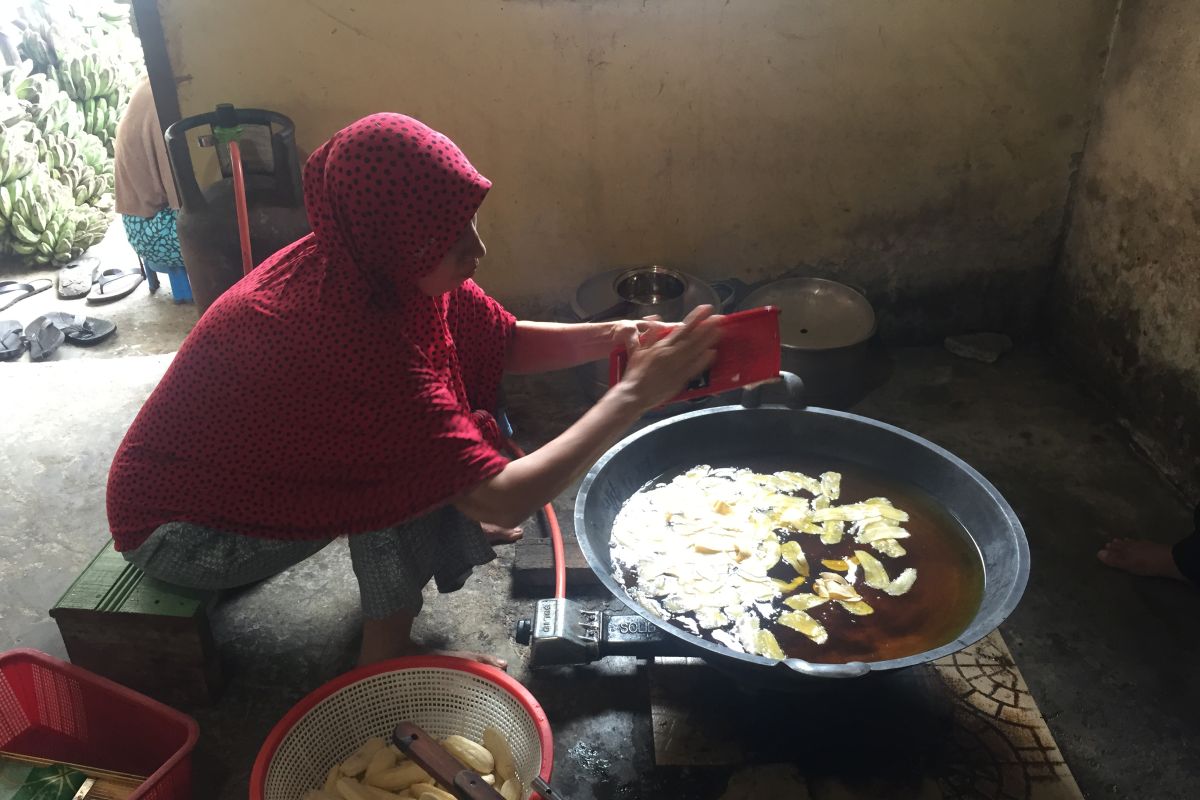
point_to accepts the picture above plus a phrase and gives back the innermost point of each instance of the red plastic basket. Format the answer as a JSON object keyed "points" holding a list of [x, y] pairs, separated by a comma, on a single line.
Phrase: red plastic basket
{"points": [[55, 710], [442, 694]]}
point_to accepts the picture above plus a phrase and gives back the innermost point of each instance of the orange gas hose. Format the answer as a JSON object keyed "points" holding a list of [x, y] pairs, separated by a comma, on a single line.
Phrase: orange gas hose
{"points": [[239, 200], [556, 539]]}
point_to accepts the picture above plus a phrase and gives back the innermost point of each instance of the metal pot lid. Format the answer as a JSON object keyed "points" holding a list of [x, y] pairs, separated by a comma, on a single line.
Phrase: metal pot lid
{"points": [[599, 292], [816, 314]]}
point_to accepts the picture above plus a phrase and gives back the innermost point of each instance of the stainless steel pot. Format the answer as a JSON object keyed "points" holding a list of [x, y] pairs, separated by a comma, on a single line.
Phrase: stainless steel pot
{"points": [[646, 292], [608, 294], [825, 328]]}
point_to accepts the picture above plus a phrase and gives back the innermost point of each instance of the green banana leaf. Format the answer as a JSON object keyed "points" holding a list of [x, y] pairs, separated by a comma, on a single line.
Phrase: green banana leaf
{"points": [[19, 781]]}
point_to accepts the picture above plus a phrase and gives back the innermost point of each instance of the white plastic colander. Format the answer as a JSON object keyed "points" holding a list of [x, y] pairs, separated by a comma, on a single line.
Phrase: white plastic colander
{"points": [[441, 694]]}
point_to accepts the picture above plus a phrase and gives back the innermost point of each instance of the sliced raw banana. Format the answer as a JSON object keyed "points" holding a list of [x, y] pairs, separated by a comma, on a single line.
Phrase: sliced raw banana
{"points": [[384, 758], [767, 645], [874, 573], [809, 626], [790, 586], [794, 556], [497, 745], [880, 530], [357, 763], [832, 532], [858, 609], [904, 581], [832, 586], [889, 547], [400, 777]]}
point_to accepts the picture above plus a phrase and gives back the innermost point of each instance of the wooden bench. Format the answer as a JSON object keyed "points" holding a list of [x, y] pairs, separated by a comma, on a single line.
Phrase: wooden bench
{"points": [[140, 632]]}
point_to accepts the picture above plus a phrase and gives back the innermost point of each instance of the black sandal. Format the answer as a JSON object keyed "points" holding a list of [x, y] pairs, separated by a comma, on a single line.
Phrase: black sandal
{"points": [[115, 283], [14, 291], [80, 330], [75, 279], [12, 341], [44, 339]]}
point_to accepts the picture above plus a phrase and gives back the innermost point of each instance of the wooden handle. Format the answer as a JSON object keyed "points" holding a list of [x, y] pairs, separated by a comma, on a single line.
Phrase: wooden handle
{"points": [[445, 768]]}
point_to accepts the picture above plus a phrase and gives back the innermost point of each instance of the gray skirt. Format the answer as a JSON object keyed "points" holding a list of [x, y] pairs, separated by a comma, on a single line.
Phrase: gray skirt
{"points": [[392, 566]]}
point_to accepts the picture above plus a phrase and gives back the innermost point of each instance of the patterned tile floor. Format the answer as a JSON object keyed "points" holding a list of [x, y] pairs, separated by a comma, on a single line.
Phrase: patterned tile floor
{"points": [[985, 738]]}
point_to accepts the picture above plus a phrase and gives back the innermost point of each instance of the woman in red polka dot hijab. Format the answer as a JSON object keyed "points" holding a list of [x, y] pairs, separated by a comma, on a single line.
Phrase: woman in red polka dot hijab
{"points": [[343, 387]]}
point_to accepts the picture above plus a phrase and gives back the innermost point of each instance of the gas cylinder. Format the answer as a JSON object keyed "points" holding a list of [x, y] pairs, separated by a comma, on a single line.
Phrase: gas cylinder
{"points": [[207, 224]]}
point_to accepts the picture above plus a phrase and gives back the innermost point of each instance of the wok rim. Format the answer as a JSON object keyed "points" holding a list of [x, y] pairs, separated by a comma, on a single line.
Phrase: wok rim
{"points": [[986, 625]]}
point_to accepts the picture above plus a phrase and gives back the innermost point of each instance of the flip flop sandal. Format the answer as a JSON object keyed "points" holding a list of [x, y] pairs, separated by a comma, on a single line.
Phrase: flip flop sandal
{"points": [[44, 339], [12, 343], [80, 330], [14, 291], [75, 279], [113, 284]]}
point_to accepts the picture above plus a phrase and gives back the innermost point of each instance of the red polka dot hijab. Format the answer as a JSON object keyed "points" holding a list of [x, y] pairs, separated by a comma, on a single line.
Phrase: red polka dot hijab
{"points": [[324, 394]]}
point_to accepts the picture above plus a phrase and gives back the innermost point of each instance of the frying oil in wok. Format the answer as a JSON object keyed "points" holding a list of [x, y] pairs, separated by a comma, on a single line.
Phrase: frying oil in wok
{"points": [[938, 607]]}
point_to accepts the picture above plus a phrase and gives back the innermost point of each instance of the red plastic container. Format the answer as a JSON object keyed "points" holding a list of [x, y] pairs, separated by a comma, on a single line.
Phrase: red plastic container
{"points": [[749, 352], [442, 694], [55, 710]]}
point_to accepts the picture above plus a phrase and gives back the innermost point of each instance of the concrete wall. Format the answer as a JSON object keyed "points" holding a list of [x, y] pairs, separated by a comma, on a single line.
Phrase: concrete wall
{"points": [[1127, 294], [921, 149]]}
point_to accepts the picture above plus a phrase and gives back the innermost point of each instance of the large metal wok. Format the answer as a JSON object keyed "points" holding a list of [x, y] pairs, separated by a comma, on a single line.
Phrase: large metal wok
{"points": [[726, 434]]}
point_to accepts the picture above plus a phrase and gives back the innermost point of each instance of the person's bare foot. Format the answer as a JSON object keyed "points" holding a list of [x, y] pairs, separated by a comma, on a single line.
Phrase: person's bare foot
{"points": [[498, 534], [1140, 557]]}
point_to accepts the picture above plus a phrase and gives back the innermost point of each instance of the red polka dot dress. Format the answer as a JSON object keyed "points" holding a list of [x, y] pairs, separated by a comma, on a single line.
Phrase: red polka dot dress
{"points": [[324, 394]]}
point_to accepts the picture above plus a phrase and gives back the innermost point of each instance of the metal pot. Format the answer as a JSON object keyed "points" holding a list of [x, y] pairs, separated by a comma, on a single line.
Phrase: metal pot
{"points": [[646, 292], [825, 328], [728, 434], [633, 294]]}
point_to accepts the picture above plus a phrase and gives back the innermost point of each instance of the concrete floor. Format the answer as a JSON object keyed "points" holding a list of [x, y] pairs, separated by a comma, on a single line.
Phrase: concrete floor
{"points": [[1109, 657], [146, 323]]}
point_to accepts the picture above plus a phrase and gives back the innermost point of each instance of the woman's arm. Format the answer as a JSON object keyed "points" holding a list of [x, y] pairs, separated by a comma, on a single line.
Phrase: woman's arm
{"points": [[546, 346], [656, 373]]}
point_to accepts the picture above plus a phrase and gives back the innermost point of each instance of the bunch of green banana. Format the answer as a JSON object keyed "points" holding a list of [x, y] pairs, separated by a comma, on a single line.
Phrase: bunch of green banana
{"points": [[12, 77], [91, 225], [56, 151], [92, 151], [10, 194], [47, 228], [41, 224], [100, 117], [37, 45], [115, 14], [49, 107], [83, 77], [17, 156], [62, 115], [87, 188]]}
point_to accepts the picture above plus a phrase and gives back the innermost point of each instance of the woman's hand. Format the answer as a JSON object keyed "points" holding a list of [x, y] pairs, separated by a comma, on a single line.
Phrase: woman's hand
{"points": [[545, 346], [630, 333], [659, 369]]}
